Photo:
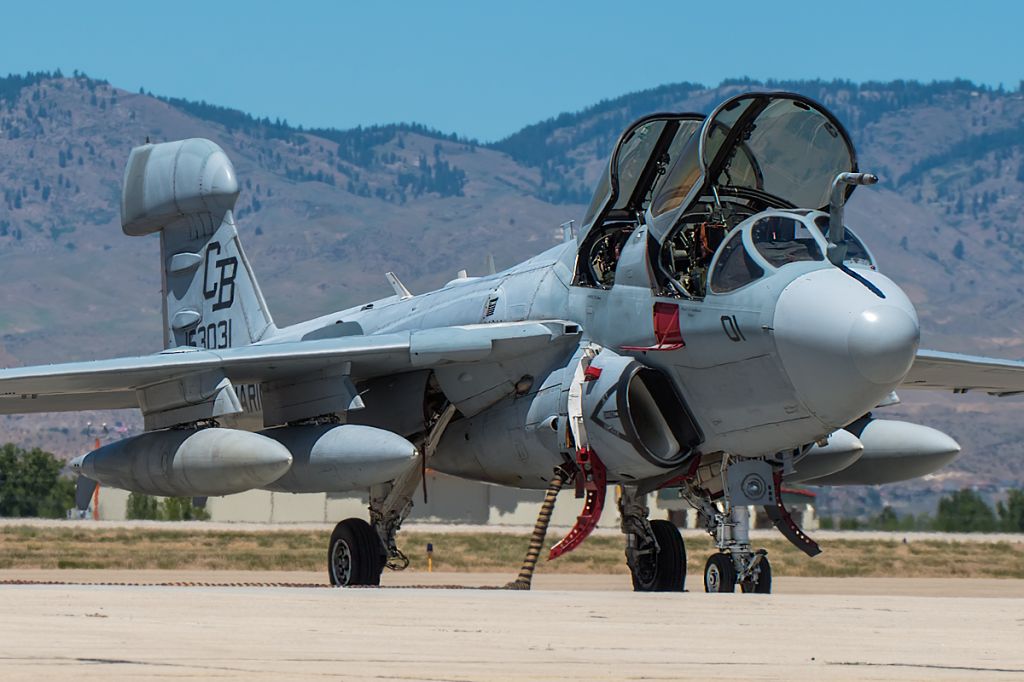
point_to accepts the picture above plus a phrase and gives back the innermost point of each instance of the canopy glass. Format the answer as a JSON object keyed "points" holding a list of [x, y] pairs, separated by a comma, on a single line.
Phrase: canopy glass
{"points": [[780, 146]]}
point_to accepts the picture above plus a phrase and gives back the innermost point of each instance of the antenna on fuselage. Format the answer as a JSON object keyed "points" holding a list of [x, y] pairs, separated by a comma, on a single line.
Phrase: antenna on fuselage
{"points": [[567, 231], [400, 290], [490, 264]]}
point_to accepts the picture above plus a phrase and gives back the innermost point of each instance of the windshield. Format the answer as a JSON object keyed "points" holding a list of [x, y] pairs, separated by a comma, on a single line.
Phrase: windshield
{"points": [[734, 267], [856, 252], [784, 239]]}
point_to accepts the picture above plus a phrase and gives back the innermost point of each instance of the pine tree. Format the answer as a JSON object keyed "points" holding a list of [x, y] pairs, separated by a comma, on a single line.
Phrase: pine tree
{"points": [[965, 511]]}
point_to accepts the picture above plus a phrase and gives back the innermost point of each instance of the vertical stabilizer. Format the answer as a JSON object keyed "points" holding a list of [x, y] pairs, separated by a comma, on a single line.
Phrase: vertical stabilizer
{"points": [[186, 191]]}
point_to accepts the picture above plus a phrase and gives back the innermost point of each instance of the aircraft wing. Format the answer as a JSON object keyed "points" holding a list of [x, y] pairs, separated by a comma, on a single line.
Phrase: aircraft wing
{"points": [[114, 383], [961, 373]]}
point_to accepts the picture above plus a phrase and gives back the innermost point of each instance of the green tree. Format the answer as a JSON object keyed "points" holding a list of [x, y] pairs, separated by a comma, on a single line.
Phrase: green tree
{"points": [[181, 509], [141, 506], [965, 511], [1011, 514], [31, 484], [850, 523], [886, 520]]}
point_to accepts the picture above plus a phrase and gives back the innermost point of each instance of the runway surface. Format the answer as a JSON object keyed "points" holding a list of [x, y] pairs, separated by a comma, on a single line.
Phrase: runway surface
{"points": [[570, 627]]}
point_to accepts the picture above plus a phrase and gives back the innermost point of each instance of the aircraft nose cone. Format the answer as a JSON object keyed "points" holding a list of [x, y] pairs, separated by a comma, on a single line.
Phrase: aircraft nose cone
{"points": [[882, 342], [844, 345]]}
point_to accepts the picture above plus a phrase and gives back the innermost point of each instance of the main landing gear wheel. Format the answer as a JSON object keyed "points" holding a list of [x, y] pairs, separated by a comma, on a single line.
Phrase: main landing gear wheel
{"points": [[355, 555], [762, 584], [719, 574], [664, 571]]}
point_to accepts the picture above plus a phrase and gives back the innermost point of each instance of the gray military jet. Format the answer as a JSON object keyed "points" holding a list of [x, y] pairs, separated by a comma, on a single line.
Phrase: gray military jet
{"points": [[714, 328]]}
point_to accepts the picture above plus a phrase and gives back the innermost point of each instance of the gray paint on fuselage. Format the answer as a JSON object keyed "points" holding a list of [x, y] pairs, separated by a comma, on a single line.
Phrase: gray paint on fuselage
{"points": [[528, 291], [736, 389]]}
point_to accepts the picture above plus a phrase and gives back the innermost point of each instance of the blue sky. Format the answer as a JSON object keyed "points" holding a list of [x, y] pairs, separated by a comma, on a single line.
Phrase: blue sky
{"points": [[486, 69]]}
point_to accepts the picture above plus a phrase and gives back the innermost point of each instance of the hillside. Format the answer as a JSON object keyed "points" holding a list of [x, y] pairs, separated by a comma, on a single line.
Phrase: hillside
{"points": [[324, 213]]}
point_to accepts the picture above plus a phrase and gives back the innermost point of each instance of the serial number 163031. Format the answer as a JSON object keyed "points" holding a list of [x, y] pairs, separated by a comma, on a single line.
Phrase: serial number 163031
{"points": [[213, 336]]}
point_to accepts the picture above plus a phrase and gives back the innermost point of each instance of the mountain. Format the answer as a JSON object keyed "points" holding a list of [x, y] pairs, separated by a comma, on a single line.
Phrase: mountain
{"points": [[323, 213]]}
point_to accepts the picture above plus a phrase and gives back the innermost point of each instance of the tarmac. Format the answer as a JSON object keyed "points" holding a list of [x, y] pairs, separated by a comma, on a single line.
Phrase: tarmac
{"points": [[570, 627]]}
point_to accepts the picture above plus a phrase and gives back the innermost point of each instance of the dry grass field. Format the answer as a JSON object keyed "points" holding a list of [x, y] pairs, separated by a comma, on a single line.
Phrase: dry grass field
{"points": [[28, 547]]}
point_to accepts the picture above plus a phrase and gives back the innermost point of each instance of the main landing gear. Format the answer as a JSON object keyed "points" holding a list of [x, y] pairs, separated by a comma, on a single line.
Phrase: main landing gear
{"points": [[355, 555], [655, 552], [359, 551]]}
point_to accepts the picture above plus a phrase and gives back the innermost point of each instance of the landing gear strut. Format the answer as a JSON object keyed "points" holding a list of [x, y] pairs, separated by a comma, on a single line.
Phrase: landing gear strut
{"points": [[741, 484], [735, 563], [359, 551], [655, 552]]}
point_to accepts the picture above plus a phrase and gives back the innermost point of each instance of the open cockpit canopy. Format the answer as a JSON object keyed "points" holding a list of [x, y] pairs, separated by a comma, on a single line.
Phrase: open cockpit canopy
{"points": [[637, 163], [775, 149], [637, 166], [691, 179]]}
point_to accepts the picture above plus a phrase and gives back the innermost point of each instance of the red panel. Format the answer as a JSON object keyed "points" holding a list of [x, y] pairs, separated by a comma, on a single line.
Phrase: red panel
{"points": [[666, 325], [667, 333]]}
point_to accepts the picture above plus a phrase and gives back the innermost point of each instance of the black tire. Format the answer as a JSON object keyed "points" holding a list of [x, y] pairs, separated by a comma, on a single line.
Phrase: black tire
{"points": [[665, 572], [355, 555], [719, 574], [764, 580]]}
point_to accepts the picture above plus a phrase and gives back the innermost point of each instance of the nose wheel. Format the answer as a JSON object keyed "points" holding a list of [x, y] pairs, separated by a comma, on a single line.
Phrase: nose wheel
{"points": [[720, 574], [760, 579], [722, 496]]}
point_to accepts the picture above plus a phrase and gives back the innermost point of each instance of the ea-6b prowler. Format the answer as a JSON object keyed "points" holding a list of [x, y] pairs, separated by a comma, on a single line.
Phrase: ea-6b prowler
{"points": [[714, 328]]}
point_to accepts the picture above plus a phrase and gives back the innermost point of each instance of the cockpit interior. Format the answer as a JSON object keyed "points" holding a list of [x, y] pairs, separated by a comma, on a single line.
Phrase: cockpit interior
{"points": [[724, 199]]}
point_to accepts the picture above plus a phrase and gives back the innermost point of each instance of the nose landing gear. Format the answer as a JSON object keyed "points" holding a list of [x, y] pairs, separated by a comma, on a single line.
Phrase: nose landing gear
{"points": [[741, 484], [736, 563]]}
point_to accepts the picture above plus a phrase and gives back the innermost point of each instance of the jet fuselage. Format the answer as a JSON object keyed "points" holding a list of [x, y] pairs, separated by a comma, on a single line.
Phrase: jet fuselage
{"points": [[770, 367]]}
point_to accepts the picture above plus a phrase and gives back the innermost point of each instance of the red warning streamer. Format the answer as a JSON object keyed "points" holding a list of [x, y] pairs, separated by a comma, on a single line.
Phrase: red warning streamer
{"points": [[595, 478]]}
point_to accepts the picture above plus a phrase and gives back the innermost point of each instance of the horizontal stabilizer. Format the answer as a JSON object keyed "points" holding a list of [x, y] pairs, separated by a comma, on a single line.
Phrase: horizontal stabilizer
{"points": [[85, 488]]}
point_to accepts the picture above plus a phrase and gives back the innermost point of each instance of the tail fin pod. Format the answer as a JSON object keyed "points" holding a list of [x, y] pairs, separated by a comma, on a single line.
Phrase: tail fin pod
{"points": [[186, 191]]}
